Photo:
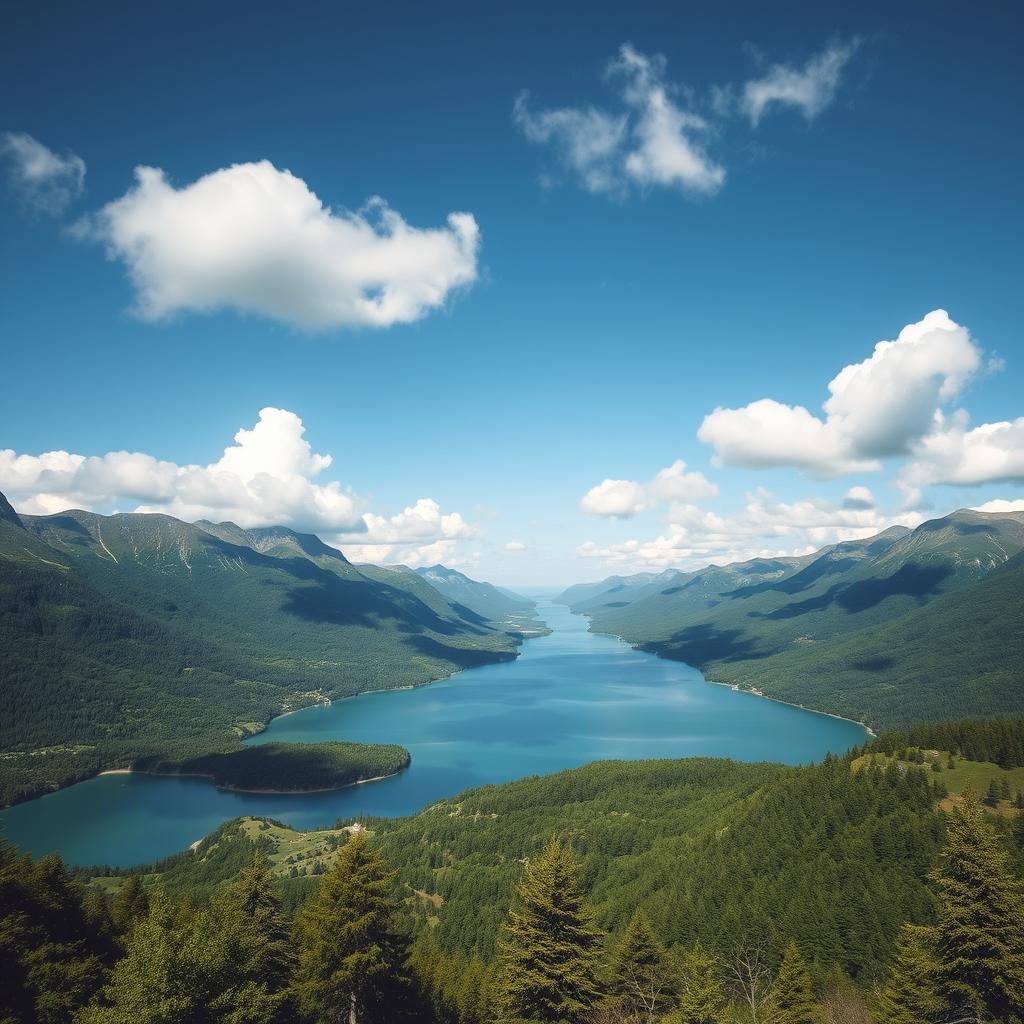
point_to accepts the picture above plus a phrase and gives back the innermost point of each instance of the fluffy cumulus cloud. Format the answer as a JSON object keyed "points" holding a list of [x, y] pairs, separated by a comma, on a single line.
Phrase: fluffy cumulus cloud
{"points": [[879, 408], [257, 240], [859, 498], [623, 499], [766, 527], [515, 545], [44, 180], [954, 453], [269, 476], [809, 89], [650, 141], [419, 535], [1002, 505]]}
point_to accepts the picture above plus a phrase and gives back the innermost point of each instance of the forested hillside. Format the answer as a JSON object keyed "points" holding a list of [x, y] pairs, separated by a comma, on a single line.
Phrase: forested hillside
{"points": [[139, 635], [904, 627], [492, 602], [676, 891]]}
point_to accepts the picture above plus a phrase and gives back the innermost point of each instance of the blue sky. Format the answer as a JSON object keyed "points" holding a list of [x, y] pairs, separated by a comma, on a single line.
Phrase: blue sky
{"points": [[784, 216]]}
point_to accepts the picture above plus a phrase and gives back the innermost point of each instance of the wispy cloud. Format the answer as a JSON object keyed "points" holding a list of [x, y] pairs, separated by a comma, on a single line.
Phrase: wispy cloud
{"points": [[809, 89], [44, 180], [652, 140]]}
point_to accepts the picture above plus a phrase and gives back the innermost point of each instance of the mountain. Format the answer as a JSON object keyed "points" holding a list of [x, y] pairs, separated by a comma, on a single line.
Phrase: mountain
{"points": [[833, 630], [140, 635], [484, 598], [615, 588]]}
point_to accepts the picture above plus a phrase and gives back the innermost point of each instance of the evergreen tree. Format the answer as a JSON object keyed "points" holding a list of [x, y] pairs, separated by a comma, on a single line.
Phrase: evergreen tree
{"points": [[350, 960], [255, 936], [992, 796], [981, 919], [549, 949], [639, 969], [792, 996], [912, 992], [130, 903], [701, 997], [157, 981]]}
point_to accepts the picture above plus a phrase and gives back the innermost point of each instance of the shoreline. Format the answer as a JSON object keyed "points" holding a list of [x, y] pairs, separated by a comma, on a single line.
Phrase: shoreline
{"points": [[735, 686], [227, 788]]}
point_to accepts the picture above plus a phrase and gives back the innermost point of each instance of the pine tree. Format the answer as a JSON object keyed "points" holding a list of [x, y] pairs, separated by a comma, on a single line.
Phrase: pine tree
{"points": [[992, 796], [981, 919], [792, 996], [912, 992], [349, 956], [702, 997], [640, 975], [549, 950], [156, 981], [130, 903], [255, 937]]}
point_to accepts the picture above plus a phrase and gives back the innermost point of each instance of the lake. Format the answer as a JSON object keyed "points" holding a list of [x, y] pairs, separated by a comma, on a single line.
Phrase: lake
{"points": [[570, 698]]}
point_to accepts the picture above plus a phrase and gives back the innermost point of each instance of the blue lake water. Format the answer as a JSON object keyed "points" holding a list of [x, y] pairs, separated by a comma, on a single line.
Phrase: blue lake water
{"points": [[570, 698]]}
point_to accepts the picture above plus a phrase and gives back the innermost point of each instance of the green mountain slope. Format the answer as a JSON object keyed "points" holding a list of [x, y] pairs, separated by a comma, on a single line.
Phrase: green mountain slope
{"points": [[498, 605], [846, 629], [133, 635]]}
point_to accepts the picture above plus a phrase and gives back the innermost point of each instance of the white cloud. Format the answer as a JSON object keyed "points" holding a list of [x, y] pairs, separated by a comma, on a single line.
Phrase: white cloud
{"points": [[43, 179], [666, 151], [587, 140], [766, 527], [954, 454], [651, 141], [810, 89], [267, 477], [877, 408], [515, 545], [859, 497], [1001, 505], [623, 499], [256, 239], [419, 535]]}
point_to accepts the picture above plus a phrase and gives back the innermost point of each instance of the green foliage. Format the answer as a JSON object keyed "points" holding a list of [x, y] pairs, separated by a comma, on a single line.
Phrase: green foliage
{"points": [[981, 919], [998, 740], [640, 969], [290, 767], [791, 999], [912, 991], [701, 994], [549, 952], [349, 955], [710, 850], [53, 954]]}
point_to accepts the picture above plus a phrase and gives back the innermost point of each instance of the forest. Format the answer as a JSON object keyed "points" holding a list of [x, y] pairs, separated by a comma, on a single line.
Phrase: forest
{"points": [[678, 891], [289, 767]]}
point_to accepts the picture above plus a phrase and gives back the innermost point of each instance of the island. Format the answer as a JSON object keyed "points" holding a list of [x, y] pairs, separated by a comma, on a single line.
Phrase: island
{"points": [[287, 767]]}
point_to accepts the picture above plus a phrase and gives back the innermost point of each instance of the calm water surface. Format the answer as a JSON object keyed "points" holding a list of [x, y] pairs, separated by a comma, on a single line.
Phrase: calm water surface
{"points": [[570, 698]]}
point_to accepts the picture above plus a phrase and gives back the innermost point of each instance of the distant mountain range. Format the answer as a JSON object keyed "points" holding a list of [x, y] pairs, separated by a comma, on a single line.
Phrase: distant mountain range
{"points": [[130, 635], [905, 626], [493, 602]]}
